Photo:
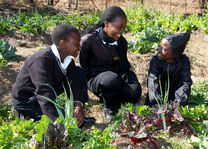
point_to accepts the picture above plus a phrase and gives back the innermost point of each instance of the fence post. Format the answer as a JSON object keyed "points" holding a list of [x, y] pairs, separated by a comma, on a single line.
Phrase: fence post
{"points": [[106, 3], [69, 3], [76, 3], [50, 2]]}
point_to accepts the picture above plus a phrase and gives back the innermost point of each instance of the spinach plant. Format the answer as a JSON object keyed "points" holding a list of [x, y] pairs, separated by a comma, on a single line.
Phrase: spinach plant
{"points": [[6, 51], [16, 134], [147, 39]]}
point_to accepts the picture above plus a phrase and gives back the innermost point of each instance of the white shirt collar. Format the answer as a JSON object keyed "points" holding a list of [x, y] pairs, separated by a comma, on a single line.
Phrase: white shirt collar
{"points": [[113, 43], [67, 60]]}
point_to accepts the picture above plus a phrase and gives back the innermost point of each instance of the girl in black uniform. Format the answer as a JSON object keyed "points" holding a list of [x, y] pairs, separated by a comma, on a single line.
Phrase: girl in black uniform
{"points": [[170, 62], [103, 56]]}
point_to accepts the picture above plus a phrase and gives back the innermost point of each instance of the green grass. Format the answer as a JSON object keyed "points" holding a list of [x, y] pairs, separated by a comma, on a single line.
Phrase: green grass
{"points": [[5, 113]]}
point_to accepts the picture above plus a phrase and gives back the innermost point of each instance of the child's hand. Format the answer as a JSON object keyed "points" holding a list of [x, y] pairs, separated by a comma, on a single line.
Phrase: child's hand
{"points": [[78, 113]]}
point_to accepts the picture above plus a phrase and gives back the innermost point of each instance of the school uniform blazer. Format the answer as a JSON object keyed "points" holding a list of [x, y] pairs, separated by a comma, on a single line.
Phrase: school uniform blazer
{"points": [[40, 69], [179, 77], [96, 57]]}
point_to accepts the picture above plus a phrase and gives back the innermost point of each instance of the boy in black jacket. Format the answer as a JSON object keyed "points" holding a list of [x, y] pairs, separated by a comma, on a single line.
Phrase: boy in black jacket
{"points": [[170, 59], [51, 66]]}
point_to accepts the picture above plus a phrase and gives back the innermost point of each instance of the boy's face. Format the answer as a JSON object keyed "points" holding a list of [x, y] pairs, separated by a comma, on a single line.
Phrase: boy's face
{"points": [[165, 52], [71, 46]]}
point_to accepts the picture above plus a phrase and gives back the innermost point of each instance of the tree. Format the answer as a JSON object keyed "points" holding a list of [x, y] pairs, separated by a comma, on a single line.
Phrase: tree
{"points": [[69, 3], [106, 3], [50, 2], [76, 2]]}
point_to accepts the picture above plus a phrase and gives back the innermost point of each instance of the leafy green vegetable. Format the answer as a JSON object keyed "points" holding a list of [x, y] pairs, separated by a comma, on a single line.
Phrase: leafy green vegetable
{"points": [[197, 114], [5, 113], [16, 134], [200, 142], [3, 62], [199, 94], [6, 51], [98, 139], [147, 39], [42, 127], [141, 110]]}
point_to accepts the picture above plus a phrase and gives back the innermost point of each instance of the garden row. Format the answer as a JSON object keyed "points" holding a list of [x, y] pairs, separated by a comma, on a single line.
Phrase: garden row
{"points": [[148, 26], [141, 125]]}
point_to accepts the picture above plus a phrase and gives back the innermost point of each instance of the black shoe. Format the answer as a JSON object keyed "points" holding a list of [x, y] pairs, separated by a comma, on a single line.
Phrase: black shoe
{"points": [[101, 101], [88, 121], [109, 114], [19, 115]]}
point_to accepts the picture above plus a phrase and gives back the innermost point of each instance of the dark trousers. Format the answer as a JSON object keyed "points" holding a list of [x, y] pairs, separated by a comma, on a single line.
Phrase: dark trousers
{"points": [[31, 107], [114, 89], [28, 107]]}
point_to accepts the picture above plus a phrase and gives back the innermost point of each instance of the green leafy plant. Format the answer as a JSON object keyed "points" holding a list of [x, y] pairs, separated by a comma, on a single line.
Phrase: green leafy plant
{"points": [[139, 18], [34, 24], [16, 134], [197, 114], [200, 142], [69, 104], [41, 127], [6, 51], [141, 110], [5, 113], [140, 129], [98, 139], [3, 63], [65, 130], [199, 94], [147, 39]]}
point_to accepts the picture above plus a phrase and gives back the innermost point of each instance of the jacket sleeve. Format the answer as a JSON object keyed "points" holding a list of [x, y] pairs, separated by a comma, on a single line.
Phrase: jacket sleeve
{"points": [[184, 85], [124, 60], [153, 80], [41, 74], [84, 55], [78, 85]]}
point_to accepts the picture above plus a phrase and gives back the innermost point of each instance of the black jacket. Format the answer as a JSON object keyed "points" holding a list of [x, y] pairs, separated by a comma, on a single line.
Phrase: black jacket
{"points": [[96, 57], [177, 72], [40, 69], [179, 76]]}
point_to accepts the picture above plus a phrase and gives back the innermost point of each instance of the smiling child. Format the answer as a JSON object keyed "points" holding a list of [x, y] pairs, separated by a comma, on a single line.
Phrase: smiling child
{"points": [[170, 63], [52, 66]]}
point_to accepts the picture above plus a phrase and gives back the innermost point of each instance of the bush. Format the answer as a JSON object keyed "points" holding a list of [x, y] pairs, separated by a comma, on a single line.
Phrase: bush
{"points": [[147, 39]]}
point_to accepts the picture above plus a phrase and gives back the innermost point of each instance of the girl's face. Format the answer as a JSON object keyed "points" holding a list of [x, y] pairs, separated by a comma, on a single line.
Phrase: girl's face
{"points": [[165, 52], [116, 28], [71, 46]]}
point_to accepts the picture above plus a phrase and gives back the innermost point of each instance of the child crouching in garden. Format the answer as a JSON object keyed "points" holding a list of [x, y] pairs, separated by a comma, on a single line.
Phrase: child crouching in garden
{"points": [[53, 66], [170, 65]]}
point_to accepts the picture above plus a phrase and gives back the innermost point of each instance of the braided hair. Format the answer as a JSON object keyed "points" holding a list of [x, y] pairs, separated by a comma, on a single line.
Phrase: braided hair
{"points": [[109, 15]]}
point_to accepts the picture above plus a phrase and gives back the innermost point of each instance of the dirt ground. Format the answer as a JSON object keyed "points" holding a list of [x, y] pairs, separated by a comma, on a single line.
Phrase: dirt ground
{"points": [[26, 45]]}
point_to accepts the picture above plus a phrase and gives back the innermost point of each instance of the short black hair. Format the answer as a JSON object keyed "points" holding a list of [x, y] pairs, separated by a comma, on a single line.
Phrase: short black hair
{"points": [[62, 32], [109, 15]]}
